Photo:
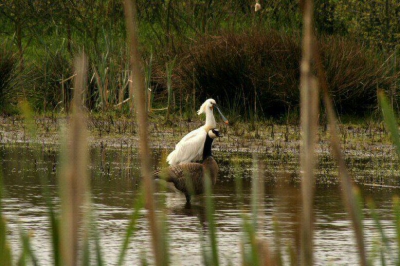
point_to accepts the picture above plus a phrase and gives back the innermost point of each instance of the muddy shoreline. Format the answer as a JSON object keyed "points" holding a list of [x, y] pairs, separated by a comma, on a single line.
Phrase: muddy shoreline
{"points": [[367, 148], [263, 138]]}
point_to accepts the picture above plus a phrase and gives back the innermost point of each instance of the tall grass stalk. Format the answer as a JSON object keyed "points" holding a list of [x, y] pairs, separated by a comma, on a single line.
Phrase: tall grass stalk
{"points": [[309, 123], [277, 241], [30, 125], [384, 238], [149, 92], [348, 195], [124, 78], [396, 210], [254, 250], [103, 87], [131, 227], [254, 195], [211, 259], [5, 248], [73, 185], [138, 83], [392, 126], [259, 253], [27, 252], [257, 196]]}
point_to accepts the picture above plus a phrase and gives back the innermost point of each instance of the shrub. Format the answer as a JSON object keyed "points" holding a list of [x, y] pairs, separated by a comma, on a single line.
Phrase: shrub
{"points": [[40, 82], [257, 72], [354, 73], [248, 73]]}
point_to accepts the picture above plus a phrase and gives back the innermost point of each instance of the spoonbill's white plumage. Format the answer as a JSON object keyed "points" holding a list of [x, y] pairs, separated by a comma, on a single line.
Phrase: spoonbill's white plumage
{"points": [[190, 147]]}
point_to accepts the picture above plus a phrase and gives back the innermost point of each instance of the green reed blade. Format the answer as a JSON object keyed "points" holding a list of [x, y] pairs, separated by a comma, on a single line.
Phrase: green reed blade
{"points": [[89, 231], [204, 253], [27, 252], [21, 261], [29, 123], [1, 189], [143, 259], [148, 72], [211, 222], [99, 256], [390, 120], [248, 228], [375, 217], [383, 260], [277, 241], [130, 230], [238, 186], [292, 255], [254, 193], [5, 250], [54, 223], [165, 239], [251, 235], [55, 235], [396, 210], [86, 252]]}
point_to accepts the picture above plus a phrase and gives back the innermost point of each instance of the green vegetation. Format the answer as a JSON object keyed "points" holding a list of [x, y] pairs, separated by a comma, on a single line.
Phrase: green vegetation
{"points": [[248, 61]]}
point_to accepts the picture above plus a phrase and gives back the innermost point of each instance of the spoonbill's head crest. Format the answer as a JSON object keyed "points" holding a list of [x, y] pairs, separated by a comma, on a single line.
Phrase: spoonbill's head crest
{"points": [[207, 104], [213, 133]]}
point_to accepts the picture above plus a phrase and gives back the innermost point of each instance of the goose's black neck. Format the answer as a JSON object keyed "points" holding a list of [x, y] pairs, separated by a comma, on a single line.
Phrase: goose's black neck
{"points": [[207, 147]]}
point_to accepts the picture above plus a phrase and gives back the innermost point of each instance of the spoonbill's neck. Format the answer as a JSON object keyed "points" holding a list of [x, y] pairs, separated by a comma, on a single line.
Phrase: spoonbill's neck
{"points": [[210, 120]]}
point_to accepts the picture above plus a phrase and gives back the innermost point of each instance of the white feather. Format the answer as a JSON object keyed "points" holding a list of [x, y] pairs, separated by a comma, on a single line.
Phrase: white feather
{"points": [[203, 107], [190, 148]]}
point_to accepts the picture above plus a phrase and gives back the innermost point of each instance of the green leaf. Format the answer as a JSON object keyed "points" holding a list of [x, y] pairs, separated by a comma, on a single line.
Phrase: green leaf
{"points": [[27, 251], [390, 120], [211, 222], [385, 239], [132, 226]]}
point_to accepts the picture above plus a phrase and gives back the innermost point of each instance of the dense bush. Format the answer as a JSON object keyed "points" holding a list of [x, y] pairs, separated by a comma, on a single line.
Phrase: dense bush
{"points": [[354, 73], [257, 72]]}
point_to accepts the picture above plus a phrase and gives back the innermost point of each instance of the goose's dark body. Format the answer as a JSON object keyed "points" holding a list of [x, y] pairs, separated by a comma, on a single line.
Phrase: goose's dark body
{"points": [[189, 177]]}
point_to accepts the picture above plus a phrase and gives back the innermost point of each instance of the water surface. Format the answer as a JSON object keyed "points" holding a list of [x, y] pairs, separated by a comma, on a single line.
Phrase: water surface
{"points": [[113, 180]]}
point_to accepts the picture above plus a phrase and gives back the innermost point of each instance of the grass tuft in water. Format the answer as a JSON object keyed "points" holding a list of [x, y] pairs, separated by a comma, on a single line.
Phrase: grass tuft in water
{"points": [[5, 249]]}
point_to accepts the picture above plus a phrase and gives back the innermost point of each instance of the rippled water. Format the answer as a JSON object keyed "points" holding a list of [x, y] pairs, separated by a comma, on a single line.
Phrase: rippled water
{"points": [[113, 174]]}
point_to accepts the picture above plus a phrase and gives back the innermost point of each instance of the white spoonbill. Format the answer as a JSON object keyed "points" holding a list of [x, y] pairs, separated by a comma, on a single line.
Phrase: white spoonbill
{"points": [[191, 147]]}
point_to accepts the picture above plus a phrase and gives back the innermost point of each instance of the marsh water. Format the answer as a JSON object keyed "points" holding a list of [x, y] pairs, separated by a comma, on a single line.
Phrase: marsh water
{"points": [[114, 174]]}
